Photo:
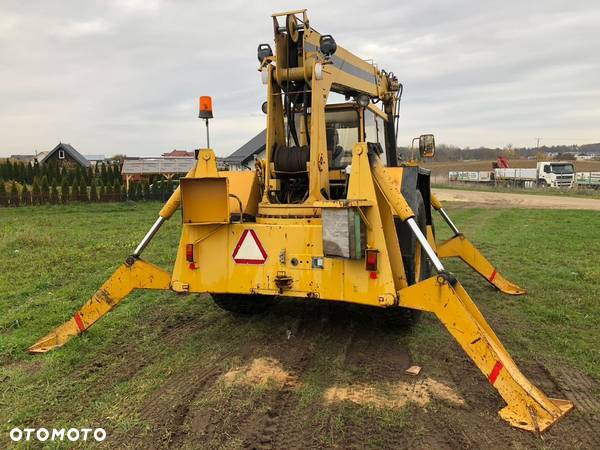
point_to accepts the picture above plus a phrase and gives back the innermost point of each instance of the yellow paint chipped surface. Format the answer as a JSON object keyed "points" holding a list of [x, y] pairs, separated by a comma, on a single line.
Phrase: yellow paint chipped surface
{"points": [[393, 395], [261, 372]]}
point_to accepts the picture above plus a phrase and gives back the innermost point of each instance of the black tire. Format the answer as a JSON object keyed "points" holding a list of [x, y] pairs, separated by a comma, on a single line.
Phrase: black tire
{"points": [[243, 305], [410, 247]]}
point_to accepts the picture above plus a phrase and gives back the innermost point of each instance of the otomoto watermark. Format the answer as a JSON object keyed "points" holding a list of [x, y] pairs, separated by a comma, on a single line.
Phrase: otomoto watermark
{"points": [[57, 434]]}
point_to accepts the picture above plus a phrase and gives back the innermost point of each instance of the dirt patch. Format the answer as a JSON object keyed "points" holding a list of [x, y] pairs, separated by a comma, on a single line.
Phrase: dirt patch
{"points": [[393, 395], [261, 372], [336, 379], [509, 200]]}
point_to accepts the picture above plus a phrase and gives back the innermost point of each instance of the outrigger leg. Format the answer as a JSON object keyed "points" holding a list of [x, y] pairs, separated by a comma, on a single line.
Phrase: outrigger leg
{"points": [[527, 407], [460, 246], [135, 273]]}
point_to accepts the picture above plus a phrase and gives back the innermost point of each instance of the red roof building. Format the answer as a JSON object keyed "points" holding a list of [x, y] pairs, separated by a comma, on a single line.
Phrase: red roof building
{"points": [[178, 154]]}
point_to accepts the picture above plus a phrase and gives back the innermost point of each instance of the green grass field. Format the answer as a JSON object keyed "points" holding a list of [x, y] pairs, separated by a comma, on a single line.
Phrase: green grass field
{"points": [[53, 258]]}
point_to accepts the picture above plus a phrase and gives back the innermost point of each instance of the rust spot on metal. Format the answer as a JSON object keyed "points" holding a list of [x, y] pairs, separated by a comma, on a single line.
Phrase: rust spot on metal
{"points": [[104, 296]]}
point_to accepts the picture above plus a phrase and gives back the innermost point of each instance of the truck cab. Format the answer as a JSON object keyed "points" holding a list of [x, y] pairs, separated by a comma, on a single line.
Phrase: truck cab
{"points": [[556, 174]]}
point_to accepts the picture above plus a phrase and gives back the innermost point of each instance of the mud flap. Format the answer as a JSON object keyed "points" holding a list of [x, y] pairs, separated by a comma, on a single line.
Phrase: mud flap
{"points": [[461, 247], [527, 407], [134, 274]]}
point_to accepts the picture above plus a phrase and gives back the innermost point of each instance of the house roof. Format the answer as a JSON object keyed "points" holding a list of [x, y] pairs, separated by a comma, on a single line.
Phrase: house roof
{"points": [[178, 154], [95, 157], [151, 166], [68, 148], [247, 151]]}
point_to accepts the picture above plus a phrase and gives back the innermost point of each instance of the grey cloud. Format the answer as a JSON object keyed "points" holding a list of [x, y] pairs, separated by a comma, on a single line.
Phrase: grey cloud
{"points": [[124, 76]]}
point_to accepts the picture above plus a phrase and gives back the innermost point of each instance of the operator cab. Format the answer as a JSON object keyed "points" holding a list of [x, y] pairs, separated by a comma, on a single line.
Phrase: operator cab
{"points": [[345, 125]]}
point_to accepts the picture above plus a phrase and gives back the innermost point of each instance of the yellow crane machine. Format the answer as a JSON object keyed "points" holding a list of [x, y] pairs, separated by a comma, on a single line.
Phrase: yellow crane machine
{"points": [[330, 213]]}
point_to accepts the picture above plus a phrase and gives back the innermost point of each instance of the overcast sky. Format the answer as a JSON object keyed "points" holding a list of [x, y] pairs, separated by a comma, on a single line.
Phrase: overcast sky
{"points": [[123, 76]]}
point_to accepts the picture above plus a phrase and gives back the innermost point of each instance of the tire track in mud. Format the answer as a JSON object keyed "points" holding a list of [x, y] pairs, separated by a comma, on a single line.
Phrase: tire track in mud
{"points": [[122, 361], [170, 406], [583, 391], [277, 426]]}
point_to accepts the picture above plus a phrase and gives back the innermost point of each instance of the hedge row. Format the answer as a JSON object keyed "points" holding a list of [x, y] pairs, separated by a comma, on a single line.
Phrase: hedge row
{"points": [[41, 192]]}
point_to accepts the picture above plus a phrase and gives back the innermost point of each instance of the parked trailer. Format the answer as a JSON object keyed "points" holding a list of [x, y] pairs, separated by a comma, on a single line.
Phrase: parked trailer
{"points": [[588, 179], [477, 177]]}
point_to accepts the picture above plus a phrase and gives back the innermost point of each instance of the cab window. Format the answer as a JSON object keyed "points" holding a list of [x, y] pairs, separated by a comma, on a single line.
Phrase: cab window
{"points": [[342, 132], [374, 130]]}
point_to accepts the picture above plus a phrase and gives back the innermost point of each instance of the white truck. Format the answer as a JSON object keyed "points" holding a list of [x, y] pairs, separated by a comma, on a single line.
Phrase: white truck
{"points": [[546, 174]]}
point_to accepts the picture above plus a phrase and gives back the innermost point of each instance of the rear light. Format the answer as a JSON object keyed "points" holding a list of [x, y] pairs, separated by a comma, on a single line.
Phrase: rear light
{"points": [[189, 252], [371, 260]]}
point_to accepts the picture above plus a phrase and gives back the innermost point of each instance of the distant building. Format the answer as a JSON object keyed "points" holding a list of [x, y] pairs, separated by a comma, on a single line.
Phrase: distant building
{"points": [[22, 158], [178, 154], [64, 155], [136, 169], [243, 158], [95, 159], [585, 157]]}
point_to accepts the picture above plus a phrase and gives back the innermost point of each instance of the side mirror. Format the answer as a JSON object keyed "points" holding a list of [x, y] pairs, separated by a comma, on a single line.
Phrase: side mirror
{"points": [[427, 145]]}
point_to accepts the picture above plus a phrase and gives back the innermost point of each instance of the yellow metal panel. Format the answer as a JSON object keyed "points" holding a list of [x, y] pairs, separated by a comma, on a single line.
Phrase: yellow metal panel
{"points": [[205, 200], [290, 250], [244, 185]]}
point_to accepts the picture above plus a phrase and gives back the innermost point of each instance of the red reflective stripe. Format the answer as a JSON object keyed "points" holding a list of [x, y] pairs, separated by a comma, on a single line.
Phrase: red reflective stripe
{"points": [[79, 322], [495, 372], [492, 276]]}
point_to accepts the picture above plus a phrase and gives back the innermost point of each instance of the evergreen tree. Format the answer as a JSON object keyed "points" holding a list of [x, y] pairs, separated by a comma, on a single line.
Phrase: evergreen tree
{"points": [[89, 175], [116, 172], [25, 196], [83, 192], [93, 191], [152, 189], [163, 190], [146, 193], [35, 191], [54, 193], [75, 197], [3, 197], [64, 190], [131, 191], [116, 191], [45, 190], [14, 194], [101, 191], [102, 172], [36, 168], [28, 174], [8, 170]]}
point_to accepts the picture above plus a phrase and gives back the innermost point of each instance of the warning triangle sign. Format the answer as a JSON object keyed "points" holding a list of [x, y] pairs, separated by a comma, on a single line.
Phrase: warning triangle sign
{"points": [[249, 250]]}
